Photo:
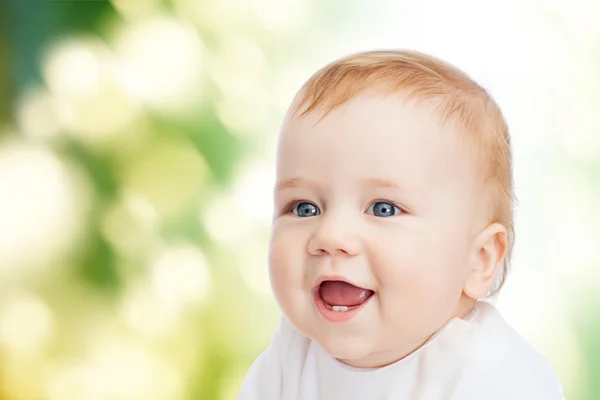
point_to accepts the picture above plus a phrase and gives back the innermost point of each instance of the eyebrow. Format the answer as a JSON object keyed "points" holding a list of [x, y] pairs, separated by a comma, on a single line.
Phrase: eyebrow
{"points": [[381, 183], [294, 182], [373, 182]]}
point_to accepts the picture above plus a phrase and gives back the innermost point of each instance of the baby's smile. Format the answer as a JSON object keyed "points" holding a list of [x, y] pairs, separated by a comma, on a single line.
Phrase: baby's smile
{"points": [[339, 300]]}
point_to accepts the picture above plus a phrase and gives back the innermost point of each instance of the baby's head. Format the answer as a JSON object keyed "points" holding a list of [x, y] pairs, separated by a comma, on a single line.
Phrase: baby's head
{"points": [[393, 204]]}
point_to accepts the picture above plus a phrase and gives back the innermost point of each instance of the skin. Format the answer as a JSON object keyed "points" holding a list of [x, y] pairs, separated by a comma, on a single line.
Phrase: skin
{"points": [[426, 264]]}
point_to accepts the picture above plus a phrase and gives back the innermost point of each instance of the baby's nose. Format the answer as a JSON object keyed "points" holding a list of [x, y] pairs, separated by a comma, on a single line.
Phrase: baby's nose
{"points": [[334, 236]]}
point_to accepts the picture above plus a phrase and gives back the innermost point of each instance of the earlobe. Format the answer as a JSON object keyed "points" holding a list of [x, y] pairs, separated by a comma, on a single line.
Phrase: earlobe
{"points": [[489, 250]]}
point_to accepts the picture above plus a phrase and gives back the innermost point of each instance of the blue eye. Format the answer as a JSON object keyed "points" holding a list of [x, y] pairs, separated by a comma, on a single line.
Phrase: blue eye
{"points": [[305, 209], [383, 209]]}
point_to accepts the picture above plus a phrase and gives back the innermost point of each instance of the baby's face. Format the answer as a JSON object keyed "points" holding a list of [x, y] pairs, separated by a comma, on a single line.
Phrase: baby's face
{"points": [[373, 227]]}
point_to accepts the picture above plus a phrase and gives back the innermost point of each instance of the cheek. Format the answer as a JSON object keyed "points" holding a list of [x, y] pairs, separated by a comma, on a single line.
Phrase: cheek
{"points": [[285, 262], [419, 263]]}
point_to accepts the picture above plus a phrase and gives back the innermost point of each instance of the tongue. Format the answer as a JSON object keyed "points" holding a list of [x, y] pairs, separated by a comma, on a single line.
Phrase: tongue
{"points": [[337, 293]]}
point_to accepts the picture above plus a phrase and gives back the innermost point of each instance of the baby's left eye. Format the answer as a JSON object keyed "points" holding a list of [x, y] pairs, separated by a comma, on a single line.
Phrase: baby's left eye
{"points": [[383, 209]]}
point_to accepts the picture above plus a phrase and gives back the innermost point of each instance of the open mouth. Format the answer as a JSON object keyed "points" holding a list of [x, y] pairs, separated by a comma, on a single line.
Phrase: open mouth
{"points": [[341, 297]]}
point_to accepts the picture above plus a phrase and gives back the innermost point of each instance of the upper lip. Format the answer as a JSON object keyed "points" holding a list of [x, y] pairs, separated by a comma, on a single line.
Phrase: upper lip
{"points": [[325, 278]]}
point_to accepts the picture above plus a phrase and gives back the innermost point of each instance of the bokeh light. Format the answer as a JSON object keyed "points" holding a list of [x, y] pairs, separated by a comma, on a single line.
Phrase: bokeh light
{"points": [[163, 60], [92, 100], [224, 220], [129, 224], [40, 207], [168, 174], [26, 324], [146, 314], [115, 369], [180, 277], [38, 116], [135, 9]]}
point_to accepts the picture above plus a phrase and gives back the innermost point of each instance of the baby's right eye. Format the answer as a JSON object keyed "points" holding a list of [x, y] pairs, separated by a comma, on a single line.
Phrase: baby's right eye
{"points": [[305, 209]]}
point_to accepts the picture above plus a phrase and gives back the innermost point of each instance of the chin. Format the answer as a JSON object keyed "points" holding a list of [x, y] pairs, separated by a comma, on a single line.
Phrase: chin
{"points": [[347, 349]]}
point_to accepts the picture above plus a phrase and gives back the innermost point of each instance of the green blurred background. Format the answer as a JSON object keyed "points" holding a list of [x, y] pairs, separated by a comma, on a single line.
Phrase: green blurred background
{"points": [[136, 162]]}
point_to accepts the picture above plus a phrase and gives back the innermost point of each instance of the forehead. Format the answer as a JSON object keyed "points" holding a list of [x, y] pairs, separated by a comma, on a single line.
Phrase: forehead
{"points": [[374, 137]]}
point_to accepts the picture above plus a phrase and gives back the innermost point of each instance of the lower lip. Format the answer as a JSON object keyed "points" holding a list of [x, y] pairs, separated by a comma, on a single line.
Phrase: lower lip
{"points": [[335, 316]]}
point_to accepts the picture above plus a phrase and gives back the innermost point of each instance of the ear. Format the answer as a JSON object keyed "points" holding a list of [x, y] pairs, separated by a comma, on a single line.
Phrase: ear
{"points": [[487, 256]]}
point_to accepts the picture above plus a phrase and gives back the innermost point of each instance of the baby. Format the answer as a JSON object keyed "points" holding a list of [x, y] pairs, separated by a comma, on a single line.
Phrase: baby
{"points": [[393, 223]]}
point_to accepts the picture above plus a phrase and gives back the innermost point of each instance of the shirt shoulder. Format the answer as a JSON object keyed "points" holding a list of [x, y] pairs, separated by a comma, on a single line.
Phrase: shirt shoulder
{"points": [[517, 378], [518, 372], [265, 378]]}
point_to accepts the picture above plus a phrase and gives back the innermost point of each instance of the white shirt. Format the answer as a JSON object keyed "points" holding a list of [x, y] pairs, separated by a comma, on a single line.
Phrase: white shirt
{"points": [[477, 358]]}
